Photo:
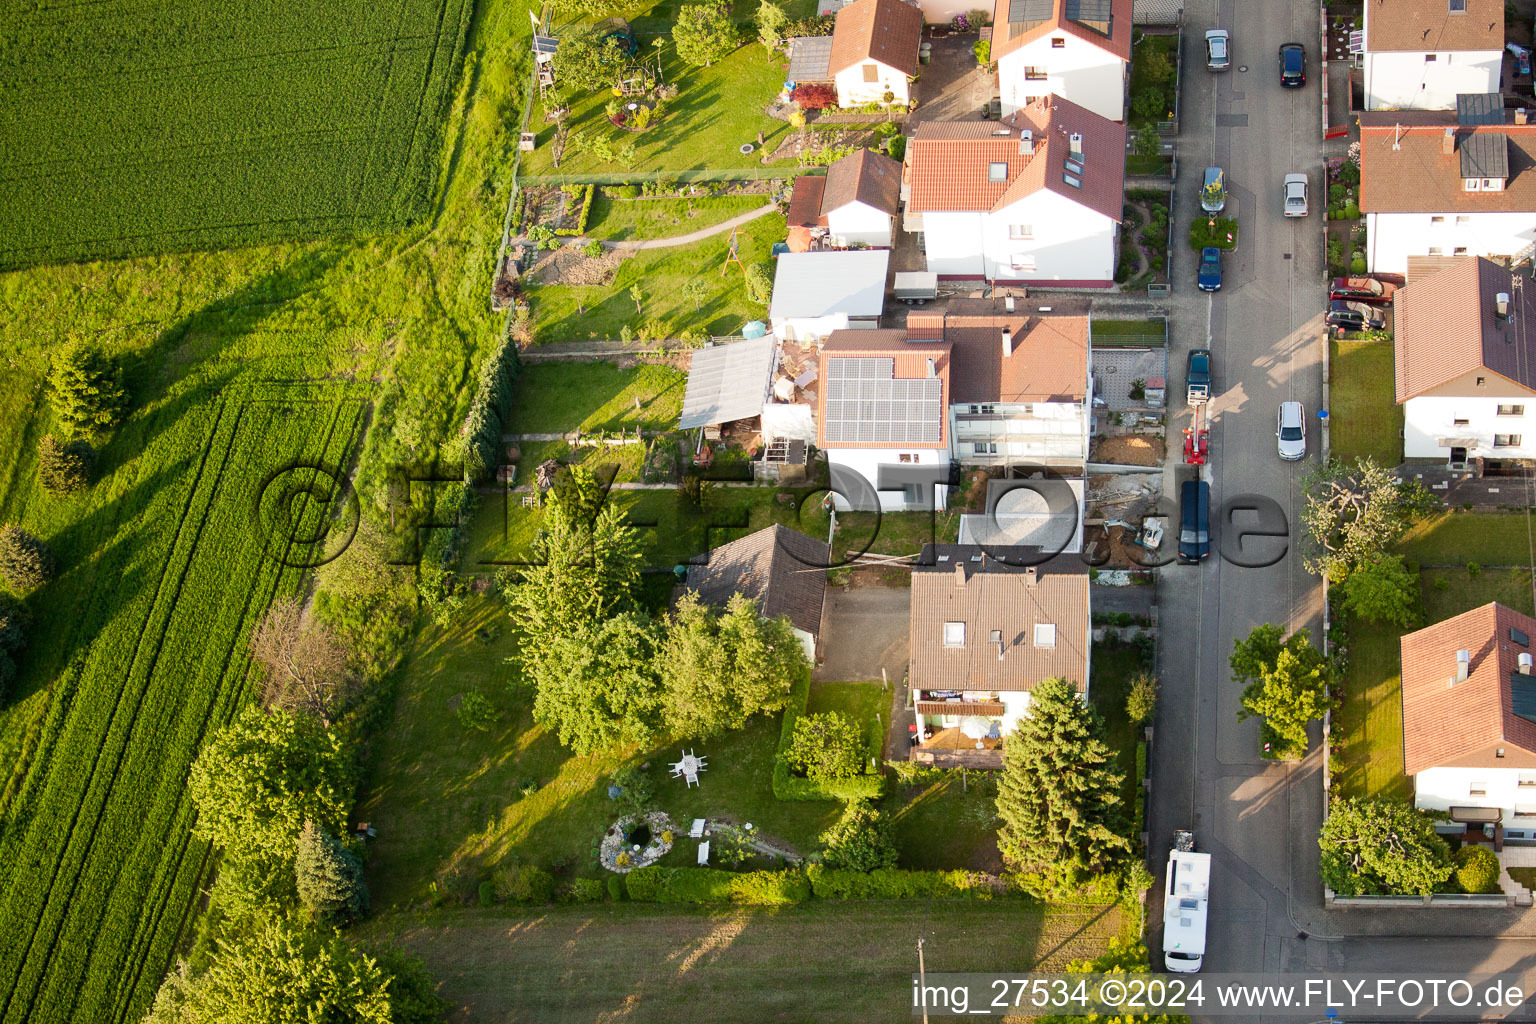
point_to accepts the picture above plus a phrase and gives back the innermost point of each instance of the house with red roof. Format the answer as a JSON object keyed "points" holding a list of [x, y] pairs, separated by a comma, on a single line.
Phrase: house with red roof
{"points": [[874, 51], [1076, 49], [1036, 196]]}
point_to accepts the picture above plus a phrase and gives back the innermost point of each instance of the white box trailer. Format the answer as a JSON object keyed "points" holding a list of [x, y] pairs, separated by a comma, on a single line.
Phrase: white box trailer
{"points": [[1184, 908]]}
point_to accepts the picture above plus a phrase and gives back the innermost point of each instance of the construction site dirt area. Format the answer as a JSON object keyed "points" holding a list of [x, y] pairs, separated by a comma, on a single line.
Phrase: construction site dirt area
{"points": [[1128, 450], [1121, 544], [571, 265]]}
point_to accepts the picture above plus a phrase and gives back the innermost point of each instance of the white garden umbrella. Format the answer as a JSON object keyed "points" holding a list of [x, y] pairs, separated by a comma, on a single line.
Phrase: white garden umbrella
{"points": [[975, 727]]}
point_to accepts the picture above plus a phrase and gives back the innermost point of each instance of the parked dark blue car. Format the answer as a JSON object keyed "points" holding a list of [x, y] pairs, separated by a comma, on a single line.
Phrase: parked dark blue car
{"points": [[1210, 269], [1293, 66]]}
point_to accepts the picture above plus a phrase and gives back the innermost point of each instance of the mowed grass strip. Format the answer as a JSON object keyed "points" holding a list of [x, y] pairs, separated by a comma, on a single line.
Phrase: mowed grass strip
{"points": [[614, 219], [1456, 538], [556, 398], [202, 125], [1363, 418], [818, 961]]}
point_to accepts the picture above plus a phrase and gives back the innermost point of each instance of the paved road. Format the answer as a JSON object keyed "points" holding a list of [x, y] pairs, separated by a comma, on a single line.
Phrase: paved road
{"points": [[1265, 333]]}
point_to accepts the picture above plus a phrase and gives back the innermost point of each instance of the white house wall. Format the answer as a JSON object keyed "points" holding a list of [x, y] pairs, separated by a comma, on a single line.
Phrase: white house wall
{"points": [[853, 91], [808, 644], [867, 461], [1430, 418], [1055, 431], [860, 224], [1069, 242], [809, 328], [1393, 237], [1402, 80], [1440, 789], [1088, 75]]}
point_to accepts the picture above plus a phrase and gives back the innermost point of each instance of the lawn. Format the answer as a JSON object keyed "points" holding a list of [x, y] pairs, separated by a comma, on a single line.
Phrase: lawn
{"points": [[1455, 538], [202, 125], [558, 397], [1363, 419], [717, 111], [1114, 666], [893, 533], [671, 529], [585, 312], [1369, 728], [821, 961], [1109, 333], [947, 824], [614, 219]]}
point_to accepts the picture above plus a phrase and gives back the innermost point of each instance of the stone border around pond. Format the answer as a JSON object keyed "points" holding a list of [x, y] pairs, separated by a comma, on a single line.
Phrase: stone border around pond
{"points": [[613, 841]]}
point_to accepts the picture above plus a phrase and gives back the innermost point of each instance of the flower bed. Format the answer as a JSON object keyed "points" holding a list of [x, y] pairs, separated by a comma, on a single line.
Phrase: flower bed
{"points": [[653, 829]]}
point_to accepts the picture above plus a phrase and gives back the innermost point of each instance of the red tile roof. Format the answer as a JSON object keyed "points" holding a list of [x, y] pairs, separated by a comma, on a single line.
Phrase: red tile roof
{"points": [[1426, 26], [910, 363], [988, 596], [888, 31], [1007, 37], [1447, 723], [863, 177], [805, 202], [1050, 350], [950, 161], [1419, 177], [1445, 327]]}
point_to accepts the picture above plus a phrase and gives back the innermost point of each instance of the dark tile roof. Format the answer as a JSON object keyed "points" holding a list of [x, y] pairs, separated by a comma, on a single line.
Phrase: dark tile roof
{"points": [[1485, 155], [782, 569], [888, 31], [805, 202], [866, 177], [1479, 108]]}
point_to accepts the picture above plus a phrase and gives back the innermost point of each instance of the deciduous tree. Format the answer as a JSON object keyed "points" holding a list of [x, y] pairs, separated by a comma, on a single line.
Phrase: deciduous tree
{"points": [[860, 840], [25, 562], [595, 684], [759, 283], [329, 877], [704, 33], [771, 19], [1372, 847], [719, 669], [825, 746], [1352, 514], [1383, 590], [1057, 797], [285, 974], [588, 63], [86, 389], [261, 777], [1287, 682], [306, 664], [584, 571], [1141, 701]]}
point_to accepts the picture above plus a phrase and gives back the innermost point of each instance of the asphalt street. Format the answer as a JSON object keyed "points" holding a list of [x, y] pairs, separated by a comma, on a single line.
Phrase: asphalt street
{"points": [[1260, 818]]}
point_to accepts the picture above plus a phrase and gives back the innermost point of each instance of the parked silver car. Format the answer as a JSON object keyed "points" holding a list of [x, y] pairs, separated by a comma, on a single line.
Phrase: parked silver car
{"points": [[1291, 429], [1295, 195], [1218, 52]]}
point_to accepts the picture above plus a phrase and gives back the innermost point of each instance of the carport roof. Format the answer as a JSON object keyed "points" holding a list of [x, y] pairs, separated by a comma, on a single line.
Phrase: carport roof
{"points": [[728, 382], [815, 284]]}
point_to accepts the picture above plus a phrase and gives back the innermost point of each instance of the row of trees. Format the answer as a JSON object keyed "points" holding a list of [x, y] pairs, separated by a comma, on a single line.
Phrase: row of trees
{"points": [[602, 669]]}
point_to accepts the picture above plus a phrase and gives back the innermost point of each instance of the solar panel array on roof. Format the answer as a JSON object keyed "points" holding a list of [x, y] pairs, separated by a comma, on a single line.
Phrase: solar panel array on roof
{"points": [[867, 404], [1522, 696], [1091, 11], [1479, 108], [1029, 10], [545, 44], [1485, 155]]}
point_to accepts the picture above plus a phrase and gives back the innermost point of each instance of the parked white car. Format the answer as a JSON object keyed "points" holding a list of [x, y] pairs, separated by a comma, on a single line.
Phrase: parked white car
{"points": [[1295, 195], [1291, 429], [1218, 55]]}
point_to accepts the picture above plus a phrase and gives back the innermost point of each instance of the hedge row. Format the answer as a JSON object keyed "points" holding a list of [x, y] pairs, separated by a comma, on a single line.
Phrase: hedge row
{"points": [[792, 787], [896, 884], [587, 192], [490, 412], [711, 885]]}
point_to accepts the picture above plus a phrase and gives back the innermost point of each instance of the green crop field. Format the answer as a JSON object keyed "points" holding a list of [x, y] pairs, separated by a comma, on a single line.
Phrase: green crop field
{"points": [[132, 127], [102, 870]]}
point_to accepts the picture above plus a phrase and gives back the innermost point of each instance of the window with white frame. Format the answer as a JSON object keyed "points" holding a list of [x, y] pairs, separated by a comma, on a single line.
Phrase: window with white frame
{"points": [[1527, 780], [1506, 440], [1435, 250], [1020, 231], [1462, 218], [1033, 74], [1525, 811], [984, 447], [1437, 220], [997, 171], [1478, 788], [1511, 410], [1459, 250]]}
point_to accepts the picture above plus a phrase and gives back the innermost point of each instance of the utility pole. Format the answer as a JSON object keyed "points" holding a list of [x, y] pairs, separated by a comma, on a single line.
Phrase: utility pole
{"points": [[922, 977]]}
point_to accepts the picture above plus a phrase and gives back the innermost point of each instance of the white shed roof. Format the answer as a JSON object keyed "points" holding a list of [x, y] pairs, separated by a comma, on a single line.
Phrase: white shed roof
{"points": [[728, 382], [815, 284]]}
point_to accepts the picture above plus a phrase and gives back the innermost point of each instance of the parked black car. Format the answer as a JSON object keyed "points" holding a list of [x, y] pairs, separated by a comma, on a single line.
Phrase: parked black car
{"points": [[1293, 65], [1194, 521], [1353, 316]]}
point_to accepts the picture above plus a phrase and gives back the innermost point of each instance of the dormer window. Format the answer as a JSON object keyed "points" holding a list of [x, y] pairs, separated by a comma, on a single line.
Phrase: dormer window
{"points": [[997, 171], [1458, 6], [954, 634], [1472, 184], [1493, 184]]}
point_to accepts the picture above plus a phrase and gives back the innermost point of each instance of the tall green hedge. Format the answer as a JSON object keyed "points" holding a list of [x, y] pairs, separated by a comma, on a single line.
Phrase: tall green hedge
{"points": [[711, 885], [786, 786], [896, 884], [490, 412], [776, 888]]}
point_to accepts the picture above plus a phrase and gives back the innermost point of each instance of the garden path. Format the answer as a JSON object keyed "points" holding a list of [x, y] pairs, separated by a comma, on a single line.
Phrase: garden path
{"points": [[691, 237]]}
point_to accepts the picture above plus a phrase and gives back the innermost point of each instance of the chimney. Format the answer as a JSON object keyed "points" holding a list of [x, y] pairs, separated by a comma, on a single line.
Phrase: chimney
{"points": [[932, 369], [1007, 343], [1501, 308], [1031, 578], [1075, 141], [1026, 142], [997, 638], [1520, 115], [1448, 142], [1463, 663], [1525, 664], [959, 574], [1008, 303]]}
